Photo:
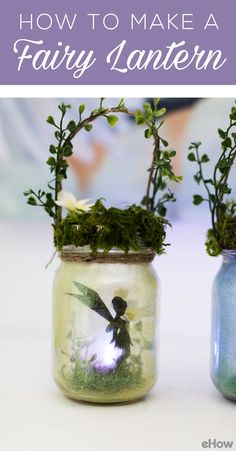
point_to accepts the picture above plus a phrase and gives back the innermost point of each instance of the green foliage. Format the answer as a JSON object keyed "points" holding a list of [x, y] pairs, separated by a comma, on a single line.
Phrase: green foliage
{"points": [[112, 120], [197, 199], [161, 170], [63, 149], [41, 199], [222, 235], [104, 228], [212, 245]]}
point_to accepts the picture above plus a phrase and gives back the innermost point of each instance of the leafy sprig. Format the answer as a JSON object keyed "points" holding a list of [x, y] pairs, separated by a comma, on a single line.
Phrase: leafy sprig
{"points": [[59, 152], [120, 234], [217, 189], [161, 170]]}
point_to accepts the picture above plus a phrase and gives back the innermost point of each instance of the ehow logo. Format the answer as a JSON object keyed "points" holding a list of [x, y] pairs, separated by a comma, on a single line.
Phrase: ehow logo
{"points": [[217, 444]]}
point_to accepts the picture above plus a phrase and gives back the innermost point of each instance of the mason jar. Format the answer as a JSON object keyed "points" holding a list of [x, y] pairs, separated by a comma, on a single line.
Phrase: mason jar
{"points": [[104, 325], [224, 326]]}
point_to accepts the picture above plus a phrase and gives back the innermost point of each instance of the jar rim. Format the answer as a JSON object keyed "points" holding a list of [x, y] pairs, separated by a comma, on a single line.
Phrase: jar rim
{"points": [[229, 252], [72, 253], [114, 251]]}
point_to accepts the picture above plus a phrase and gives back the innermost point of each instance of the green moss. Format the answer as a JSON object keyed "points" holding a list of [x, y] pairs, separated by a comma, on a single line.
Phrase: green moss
{"points": [[104, 228], [228, 235], [224, 237], [212, 243], [88, 379]]}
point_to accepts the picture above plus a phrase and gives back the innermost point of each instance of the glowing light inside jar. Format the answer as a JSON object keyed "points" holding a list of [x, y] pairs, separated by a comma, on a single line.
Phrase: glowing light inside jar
{"points": [[107, 355]]}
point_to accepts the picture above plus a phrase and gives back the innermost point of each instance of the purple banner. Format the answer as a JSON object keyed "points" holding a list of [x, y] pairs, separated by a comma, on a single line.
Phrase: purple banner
{"points": [[133, 42]]}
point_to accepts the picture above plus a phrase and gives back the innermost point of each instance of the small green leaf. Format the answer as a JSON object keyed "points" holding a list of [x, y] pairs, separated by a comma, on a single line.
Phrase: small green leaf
{"points": [[88, 127], [64, 164], [164, 142], [52, 149], [50, 120], [49, 198], [121, 103], [162, 210], [221, 133], [69, 144], [226, 143], [31, 201], [160, 125], [233, 114], [62, 107], [81, 109], [205, 159], [191, 157], [67, 152], [139, 118], [112, 120], [27, 193], [197, 177], [147, 108], [177, 178], [57, 135], [156, 102], [71, 126], [51, 161], [160, 112], [223, 164], [148, 133], [197, 199], [166, 154]]}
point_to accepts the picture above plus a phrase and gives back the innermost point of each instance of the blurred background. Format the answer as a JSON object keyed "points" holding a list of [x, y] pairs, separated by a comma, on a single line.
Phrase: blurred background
{"points": [[108, 162]]}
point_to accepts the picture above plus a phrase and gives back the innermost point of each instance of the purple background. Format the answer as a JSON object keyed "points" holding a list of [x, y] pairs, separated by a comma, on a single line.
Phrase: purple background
{"points": [[102, 41]]}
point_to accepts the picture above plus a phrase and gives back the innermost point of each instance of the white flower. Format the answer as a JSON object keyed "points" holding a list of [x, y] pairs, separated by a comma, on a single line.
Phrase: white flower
{"points": [[68, 200]]}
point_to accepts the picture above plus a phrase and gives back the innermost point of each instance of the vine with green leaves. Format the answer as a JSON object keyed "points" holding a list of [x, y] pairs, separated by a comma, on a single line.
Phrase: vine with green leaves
{"points": [[161, 170], [63, 149], [136, 224], [222, 234]]}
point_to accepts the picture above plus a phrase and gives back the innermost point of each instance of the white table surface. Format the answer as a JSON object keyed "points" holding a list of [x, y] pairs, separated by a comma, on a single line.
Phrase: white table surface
{"points": [[182, 411]]}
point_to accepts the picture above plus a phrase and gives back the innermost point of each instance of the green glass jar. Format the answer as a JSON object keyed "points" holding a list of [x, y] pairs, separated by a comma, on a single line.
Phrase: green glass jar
{"points": [[104, 325]]}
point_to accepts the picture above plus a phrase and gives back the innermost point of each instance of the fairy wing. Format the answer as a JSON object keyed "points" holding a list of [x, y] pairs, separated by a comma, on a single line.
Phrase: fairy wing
{"points": [[91, 299]]}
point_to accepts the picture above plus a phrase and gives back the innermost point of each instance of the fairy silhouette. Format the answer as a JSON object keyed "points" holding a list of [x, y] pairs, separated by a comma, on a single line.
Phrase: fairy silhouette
{"points": [[117, 325]]}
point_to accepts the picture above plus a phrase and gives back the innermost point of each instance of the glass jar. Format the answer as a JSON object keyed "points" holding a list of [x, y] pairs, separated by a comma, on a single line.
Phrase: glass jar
{"points": [[224, 327], [104, 323]]}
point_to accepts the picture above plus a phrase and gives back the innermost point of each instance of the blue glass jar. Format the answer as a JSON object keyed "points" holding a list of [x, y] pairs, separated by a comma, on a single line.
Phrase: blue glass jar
{"points": [[224, 327]]}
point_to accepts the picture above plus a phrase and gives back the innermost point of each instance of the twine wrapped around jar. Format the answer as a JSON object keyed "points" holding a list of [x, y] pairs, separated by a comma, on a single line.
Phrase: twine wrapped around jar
{"points": [[72, 254]]}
